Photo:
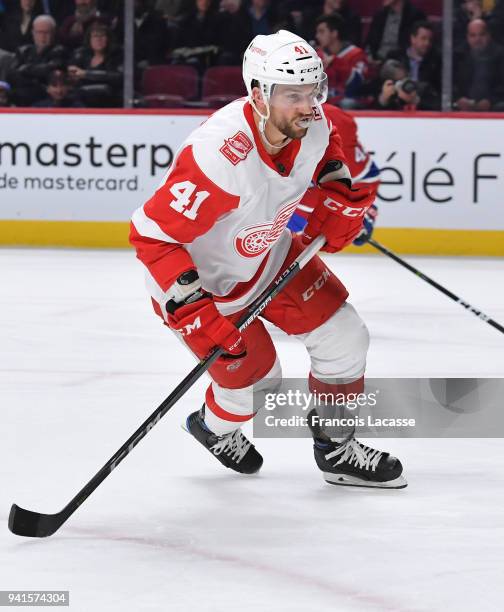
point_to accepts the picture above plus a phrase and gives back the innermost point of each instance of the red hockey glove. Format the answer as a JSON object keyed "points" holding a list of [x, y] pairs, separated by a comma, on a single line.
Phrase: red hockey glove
{"points": [[204, 328], [338, 214]]}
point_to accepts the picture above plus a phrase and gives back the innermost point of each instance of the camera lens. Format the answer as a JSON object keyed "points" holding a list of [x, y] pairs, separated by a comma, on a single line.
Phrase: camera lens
{"points": [[409, 86]]}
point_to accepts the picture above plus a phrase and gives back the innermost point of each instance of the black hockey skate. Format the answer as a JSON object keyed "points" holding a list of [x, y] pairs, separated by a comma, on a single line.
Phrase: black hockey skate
{"points": [[233, 450], [352, 463]]}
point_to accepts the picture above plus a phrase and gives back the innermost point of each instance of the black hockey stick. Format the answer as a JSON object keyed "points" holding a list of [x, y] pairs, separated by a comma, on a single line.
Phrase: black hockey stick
{"points": [[448, 293], [34, 524]]}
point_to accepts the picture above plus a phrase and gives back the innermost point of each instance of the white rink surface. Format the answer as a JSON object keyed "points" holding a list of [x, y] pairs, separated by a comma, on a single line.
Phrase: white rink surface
{"points": [[83, 361]]}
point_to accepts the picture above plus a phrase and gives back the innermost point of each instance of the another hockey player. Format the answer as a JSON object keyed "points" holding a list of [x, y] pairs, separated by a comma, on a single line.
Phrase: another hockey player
{"points": [[361, 166], [214, 236]]}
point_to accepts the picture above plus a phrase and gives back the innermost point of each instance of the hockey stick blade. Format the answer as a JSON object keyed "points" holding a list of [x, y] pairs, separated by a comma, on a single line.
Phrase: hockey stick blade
{"points": [[33, 524]]}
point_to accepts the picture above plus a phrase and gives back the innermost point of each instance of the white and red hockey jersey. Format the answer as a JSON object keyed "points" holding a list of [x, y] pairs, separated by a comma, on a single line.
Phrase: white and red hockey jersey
{"points": [[223, 207]]}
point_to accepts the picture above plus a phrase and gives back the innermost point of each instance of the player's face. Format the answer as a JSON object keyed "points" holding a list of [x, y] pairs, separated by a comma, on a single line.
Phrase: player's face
{"points": [[291, 108]]}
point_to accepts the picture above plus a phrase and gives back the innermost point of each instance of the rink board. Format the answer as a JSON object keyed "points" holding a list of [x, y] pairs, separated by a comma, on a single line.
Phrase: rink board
{"points": [[73, 178], [113, 234]]}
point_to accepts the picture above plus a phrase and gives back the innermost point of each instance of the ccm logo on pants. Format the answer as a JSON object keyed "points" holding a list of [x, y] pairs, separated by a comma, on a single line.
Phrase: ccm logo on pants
{"points": [[318, 284]]}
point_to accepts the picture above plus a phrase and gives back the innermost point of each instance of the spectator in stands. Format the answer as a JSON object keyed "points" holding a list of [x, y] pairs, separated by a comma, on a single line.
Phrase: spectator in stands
{"points": [[71, 33], [352, 20], [390, 28], [96, 69], [112, 8], [6, 59], [151, 34], [173, 10], [297, 16], [344, 63], [59, 92], [396, 91], [5, 90], [496, 22], [466, 11], [234, 31], [424, 64], [59, 9], [479, 71], [262, 17], [198, 29], [33, 63], [17, 30]]}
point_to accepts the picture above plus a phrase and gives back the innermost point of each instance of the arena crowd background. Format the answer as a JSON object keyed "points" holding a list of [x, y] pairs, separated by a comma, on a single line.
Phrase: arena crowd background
{"points": [[379, 54]]}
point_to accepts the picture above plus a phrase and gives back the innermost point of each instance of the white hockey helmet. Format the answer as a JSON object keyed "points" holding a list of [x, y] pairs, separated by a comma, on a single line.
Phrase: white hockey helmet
{"points": [[283, 59]]}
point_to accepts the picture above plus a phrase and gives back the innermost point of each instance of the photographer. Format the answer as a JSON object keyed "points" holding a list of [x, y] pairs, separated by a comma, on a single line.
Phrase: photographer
{"points": [[424, 65], [397, 91]]}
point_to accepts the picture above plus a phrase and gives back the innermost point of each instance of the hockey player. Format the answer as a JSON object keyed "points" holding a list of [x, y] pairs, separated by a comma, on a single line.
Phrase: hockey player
{"points": [[214, 236]]}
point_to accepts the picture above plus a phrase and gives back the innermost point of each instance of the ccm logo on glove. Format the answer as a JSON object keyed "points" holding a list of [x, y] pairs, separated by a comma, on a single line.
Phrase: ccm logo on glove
{"points": [[338, 215], [204, 328], [186, 330], [343, 209]]}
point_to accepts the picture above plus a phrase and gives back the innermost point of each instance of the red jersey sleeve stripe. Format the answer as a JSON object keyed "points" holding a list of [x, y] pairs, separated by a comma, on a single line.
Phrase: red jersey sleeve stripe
{"points": [[164, 261], [189, 203], [147, 227]]}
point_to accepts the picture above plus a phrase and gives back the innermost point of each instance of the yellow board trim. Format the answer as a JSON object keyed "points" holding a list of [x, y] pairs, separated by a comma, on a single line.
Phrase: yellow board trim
{"points": [[111, 234], [97, 234], [425, 241]]}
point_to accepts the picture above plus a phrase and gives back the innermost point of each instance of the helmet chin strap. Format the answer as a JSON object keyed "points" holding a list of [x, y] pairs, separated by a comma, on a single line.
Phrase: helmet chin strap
{"points": [[262, 127]]}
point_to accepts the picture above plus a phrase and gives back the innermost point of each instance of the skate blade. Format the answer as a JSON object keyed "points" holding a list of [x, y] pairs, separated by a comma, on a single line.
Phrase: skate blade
{"points": [[352, 481]]}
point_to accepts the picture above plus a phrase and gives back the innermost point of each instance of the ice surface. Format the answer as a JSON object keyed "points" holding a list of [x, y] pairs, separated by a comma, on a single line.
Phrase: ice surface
{"points": [[83, 361]]}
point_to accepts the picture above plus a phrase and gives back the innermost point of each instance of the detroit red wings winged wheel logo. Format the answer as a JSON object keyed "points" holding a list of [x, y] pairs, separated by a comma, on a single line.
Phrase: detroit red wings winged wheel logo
{"points": [[253, 240], [237, 147]]}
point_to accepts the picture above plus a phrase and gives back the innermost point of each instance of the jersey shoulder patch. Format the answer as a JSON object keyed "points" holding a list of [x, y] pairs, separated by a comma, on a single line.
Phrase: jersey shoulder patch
{"points": [[222, 144]]}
